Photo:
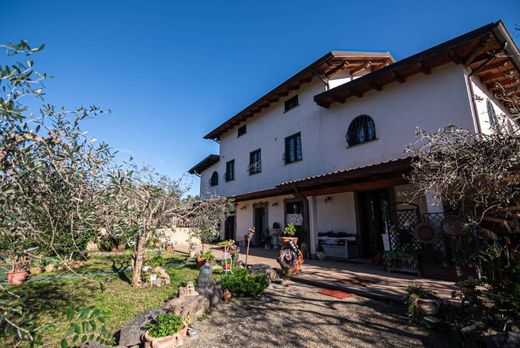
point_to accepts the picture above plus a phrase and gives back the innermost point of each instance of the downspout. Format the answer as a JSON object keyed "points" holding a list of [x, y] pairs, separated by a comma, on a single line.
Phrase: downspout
{"points": [[305, 220]]}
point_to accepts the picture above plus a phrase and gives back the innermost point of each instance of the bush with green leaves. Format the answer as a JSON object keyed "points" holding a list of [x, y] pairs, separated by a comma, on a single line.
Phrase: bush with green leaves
{"points": [[165, 325], [157, 261], [208, 256], [86, 325], [242, 282], [414, 293]]}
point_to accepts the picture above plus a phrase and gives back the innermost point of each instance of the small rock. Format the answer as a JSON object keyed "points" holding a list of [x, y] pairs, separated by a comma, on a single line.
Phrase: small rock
{"points": [[162, 275], [190, 306], [213, 293], [132, 331], [432, 320], [192, 332], [188, 290], [262, 268]]}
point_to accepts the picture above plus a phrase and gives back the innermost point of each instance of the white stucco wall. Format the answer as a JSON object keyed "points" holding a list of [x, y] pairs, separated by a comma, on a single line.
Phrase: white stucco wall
{"points": [[337, 214], [244, 214], [481, 97], [427, 101]]}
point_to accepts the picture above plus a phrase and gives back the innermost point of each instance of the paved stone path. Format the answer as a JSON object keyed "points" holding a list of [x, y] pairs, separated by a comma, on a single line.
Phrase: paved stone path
{"points": [[295, 315], [363, 279]]}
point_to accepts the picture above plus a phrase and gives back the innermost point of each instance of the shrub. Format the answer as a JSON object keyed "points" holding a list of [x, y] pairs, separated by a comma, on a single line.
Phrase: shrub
{"points": [[208, 256], [164, 325], [242, 282], [157, 261], [416, 292]]}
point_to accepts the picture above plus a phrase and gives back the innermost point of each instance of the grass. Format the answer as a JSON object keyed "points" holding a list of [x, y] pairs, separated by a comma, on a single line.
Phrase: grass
{"points": [[112, 294]]}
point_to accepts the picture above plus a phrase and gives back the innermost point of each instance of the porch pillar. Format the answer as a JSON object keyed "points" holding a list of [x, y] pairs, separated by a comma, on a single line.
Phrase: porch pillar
{"points": [[313, 223], [433, 205]]}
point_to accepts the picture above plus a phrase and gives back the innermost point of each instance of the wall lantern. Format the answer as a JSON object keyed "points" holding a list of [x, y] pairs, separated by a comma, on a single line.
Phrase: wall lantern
{"points": [[274, 204], [327, 199]]}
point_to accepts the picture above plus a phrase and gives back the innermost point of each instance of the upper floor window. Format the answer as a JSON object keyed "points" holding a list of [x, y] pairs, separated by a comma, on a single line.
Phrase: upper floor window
{"points": [[230, 170], [241, 131], [293, 148], [255, 162], [291, 103], [493, 120], [213, 181], [361, 130]]}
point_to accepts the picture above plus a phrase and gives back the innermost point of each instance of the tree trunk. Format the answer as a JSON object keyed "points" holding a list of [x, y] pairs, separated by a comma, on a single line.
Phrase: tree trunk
{"points": [[137, 260]]}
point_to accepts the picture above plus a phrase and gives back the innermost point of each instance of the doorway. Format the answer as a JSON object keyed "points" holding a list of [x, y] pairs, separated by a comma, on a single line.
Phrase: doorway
{"points": [[374, 217], [229, 228], [260, 224]]}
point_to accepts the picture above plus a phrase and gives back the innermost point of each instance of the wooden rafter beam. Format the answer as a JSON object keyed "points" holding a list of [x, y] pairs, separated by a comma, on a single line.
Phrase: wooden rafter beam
{"points": [[375, 85], [455, 57], [337, 68], [398, 77], [475, 50], [494, 78], [424, 69]]}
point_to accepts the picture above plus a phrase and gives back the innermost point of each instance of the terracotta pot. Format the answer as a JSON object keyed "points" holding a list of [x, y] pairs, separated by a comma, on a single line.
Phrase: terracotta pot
{"points": [[166, 342], [200, 262], [227, 295], [157, 244], [17, 277], [285, 240], [169, 248], [35, 270]]}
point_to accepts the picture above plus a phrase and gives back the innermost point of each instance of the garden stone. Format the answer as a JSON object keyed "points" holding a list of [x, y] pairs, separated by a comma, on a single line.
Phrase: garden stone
{"points": [[192, 306], [163, 278], [213, 293], [132, 331], [262, 268]]}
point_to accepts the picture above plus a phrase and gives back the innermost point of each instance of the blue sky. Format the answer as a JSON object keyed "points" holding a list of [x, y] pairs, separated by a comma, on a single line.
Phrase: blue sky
{"points": [[171, 71]]}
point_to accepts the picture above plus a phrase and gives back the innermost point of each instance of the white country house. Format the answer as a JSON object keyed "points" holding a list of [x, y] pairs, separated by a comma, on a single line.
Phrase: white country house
{"points": [[327, 145]]}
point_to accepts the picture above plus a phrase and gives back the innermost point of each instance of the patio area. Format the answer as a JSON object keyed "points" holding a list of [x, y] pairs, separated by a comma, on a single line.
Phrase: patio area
{"points": [[362, 279]]}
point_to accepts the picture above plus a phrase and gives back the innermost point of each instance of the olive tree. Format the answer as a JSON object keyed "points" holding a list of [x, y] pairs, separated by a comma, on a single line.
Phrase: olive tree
{"points": [[143, 201]]}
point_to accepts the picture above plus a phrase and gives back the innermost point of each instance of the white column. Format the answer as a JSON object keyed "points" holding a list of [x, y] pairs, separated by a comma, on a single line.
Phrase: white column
{"points": [[313, 223]]}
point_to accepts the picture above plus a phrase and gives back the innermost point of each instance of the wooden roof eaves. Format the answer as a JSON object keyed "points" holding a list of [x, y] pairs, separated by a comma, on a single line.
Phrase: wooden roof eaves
{"points": [[327, 98]]}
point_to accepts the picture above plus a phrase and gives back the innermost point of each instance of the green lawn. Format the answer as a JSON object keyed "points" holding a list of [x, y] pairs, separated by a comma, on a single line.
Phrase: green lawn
{"points": [[112, 294]]}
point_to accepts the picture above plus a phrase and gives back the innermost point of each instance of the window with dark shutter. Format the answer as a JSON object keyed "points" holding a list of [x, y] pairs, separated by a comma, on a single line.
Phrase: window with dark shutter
{"points": [[291, 103], [361, 130], [492, 115], [242, 130], [255, 162], [213, 181], [230, 170], [293, 148]]}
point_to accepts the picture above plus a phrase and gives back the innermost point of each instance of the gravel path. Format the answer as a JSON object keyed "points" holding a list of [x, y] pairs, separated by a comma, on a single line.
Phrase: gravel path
{"points": [[295, 315]]}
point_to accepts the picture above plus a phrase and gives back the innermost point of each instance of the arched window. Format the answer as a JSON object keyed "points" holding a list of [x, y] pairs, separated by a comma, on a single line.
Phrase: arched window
{"points": [[493, 120], [214, 179], [361, 130]]}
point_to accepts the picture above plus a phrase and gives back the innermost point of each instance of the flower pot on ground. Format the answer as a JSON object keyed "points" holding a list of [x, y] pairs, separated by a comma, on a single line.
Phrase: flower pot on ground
{"points": [[166, 330], [169, 248], [320, 253], [17, 277]]}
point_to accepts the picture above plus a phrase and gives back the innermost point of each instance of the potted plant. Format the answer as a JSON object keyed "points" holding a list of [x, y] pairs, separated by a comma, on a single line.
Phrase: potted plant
{"points": [[320, 252], [289, 234], [203, 258], [19, 267], [166, 330]]}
